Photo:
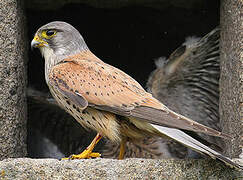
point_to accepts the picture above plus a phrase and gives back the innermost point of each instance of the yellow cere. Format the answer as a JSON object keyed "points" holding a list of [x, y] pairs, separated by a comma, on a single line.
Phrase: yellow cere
{"points": [[41, 42]]}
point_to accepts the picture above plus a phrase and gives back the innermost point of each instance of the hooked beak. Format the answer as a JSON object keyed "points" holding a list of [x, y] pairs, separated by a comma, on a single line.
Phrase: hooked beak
{"points": [[38, 42]]}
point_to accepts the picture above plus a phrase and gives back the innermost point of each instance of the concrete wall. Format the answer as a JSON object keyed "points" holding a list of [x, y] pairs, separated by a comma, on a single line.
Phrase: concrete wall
{"points": [[13, 58], [231, 79]]}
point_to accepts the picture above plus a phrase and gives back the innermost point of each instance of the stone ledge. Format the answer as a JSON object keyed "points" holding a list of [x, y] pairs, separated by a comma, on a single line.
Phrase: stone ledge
{"points": [[158, 4], [26, 168]]}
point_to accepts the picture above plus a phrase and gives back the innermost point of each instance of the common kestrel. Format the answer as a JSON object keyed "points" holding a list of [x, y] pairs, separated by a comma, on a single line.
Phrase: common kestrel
{"points": [[102, 97]]}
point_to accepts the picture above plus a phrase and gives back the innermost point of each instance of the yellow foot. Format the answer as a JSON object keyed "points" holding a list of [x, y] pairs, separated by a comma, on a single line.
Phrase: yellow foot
{"points": [[86, 154]]}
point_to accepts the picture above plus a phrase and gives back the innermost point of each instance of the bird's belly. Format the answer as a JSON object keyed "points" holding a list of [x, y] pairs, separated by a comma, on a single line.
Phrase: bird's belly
{"points": [[103, 122]]}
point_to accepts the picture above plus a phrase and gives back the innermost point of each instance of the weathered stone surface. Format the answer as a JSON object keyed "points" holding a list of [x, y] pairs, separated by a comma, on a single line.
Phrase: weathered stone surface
{"points": [[231, 79], [12, 80], [50, 4], [115, 169]]}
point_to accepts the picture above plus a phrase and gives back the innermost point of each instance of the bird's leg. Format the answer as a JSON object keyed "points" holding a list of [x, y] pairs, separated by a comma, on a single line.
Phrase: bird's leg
{"points": [[87, 153], [122, 148]]}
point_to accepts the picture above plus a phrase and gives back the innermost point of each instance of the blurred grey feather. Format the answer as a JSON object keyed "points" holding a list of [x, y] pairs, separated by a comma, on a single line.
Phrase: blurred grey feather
{"points": [[188, 82]]}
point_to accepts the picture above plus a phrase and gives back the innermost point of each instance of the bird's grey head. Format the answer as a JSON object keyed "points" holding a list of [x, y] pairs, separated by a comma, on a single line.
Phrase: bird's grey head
{"points": [[59, 39]]}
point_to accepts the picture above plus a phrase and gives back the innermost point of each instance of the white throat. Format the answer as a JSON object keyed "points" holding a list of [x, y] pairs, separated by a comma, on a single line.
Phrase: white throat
{"points": [[50, 60]]}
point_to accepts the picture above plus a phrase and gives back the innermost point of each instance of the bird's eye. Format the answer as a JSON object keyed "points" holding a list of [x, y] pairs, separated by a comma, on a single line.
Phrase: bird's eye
{"points": [[50, 32], [47, 34]]}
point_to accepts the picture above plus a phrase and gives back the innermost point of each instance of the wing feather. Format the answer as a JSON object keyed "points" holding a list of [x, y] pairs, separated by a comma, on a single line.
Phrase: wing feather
{"points": [[192, 143]]}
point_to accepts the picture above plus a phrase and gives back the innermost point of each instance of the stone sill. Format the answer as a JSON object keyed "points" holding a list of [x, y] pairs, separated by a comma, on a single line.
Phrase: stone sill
{"points": [[26, 168]]}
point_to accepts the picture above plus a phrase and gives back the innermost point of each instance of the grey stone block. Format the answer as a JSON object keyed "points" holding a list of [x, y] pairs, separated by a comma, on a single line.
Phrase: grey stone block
{"points": [[12, 80], [115, 169], [231, 78]]}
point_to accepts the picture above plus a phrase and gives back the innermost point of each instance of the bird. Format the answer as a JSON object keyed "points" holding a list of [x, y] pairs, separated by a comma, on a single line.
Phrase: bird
{"points": [[43, 107], [188, 83], [44, 136], [106, 99]]}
